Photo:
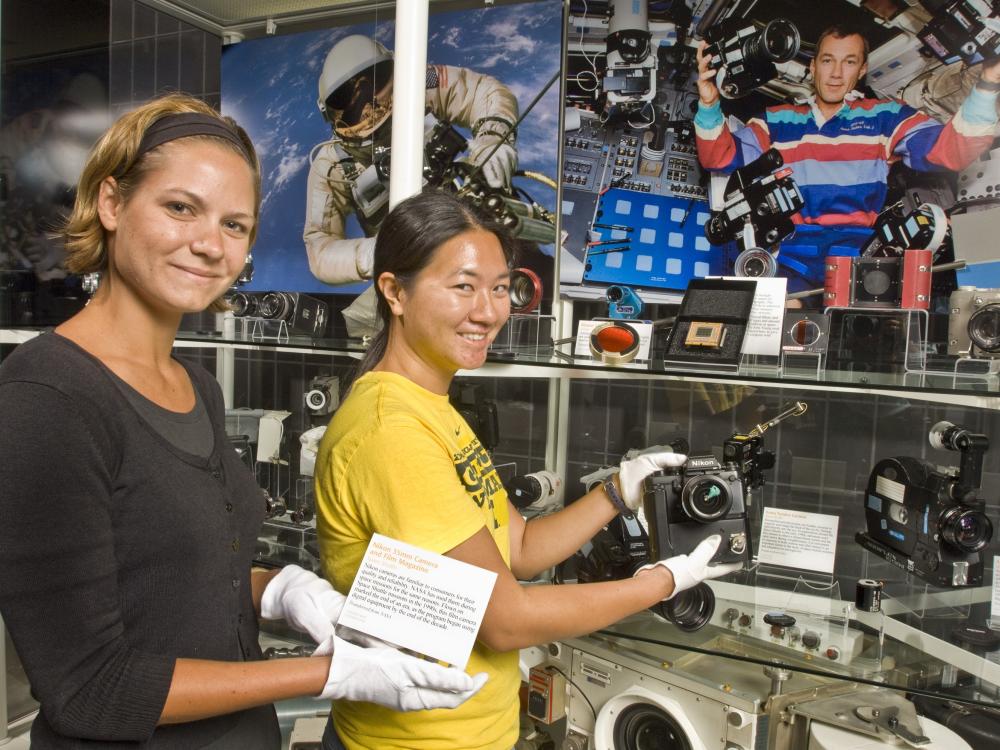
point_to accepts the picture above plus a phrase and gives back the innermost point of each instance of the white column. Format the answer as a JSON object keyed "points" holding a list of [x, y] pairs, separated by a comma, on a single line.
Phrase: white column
{"points": [[408, 96]]}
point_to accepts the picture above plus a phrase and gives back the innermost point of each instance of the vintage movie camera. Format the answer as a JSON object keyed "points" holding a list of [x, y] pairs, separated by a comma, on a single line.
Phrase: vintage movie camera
{"points": [[760, 199], [300, 312], [928, 520], [744, 53], [897, 282], [974, 323], [969, 29], [896, 231]]}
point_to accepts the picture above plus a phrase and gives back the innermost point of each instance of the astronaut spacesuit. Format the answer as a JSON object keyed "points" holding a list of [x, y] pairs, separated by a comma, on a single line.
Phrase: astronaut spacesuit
{"points": [[355, 96]]}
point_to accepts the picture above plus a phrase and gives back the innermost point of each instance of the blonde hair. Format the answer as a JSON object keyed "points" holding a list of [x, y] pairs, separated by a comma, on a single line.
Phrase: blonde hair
{"points": [[117, 155]]}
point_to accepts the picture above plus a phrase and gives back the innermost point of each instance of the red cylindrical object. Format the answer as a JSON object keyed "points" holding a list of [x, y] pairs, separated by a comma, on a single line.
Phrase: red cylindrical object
{"points": [[837, 281], [916, 294]]}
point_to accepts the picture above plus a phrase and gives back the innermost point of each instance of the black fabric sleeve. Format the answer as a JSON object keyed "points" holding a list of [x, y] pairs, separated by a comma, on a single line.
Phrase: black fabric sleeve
{"points": [[59, 591]]}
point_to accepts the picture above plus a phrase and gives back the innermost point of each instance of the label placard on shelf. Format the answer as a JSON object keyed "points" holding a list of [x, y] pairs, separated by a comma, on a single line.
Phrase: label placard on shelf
{"points": [[797, 539]]}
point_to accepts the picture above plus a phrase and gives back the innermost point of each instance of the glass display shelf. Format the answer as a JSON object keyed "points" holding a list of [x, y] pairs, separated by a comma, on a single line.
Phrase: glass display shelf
{"points": [[943, 383], [902, 648]]}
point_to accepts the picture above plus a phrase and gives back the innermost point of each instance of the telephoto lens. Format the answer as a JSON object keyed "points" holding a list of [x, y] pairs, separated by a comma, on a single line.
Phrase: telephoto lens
{"points": [[778, 42], [691, 609], [277, 306]]}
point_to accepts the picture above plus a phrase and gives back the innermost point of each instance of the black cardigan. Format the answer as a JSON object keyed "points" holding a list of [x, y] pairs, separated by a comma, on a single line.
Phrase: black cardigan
{"points": [[119, 553]]}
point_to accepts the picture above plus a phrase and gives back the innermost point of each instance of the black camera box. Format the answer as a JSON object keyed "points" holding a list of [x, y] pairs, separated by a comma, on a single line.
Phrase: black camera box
{"points": [[706, 302]]}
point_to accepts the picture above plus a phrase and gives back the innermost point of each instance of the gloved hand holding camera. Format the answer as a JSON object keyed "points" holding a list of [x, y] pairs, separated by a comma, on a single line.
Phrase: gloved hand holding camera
{"points": [[632, 473], [690, 570], [385, 676], [303, 600]]}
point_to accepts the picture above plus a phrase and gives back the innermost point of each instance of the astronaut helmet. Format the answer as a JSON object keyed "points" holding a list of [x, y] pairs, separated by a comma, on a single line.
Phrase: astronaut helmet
{"points": [[355, 87]]}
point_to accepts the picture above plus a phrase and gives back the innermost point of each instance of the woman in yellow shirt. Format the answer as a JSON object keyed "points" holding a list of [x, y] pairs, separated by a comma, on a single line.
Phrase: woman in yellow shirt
{"points": [[400, 461]]}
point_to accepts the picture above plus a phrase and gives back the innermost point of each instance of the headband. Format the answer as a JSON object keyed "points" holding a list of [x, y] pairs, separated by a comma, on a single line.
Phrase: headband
{"points": [[185, 124]]}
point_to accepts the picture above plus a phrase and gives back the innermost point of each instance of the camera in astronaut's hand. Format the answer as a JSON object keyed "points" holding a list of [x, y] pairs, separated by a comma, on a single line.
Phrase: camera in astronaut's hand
{"points": [[745, 53], [974, 323], [685, 505], [928, 520], [760, 199], [969, 29]]}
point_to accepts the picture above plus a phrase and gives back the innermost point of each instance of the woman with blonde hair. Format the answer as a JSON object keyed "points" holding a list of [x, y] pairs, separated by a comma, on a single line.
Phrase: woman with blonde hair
{"points": [[127, 525]]}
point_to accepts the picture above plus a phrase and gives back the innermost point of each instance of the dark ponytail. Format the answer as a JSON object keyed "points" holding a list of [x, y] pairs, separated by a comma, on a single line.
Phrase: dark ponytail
{"points": [[406, 243]]}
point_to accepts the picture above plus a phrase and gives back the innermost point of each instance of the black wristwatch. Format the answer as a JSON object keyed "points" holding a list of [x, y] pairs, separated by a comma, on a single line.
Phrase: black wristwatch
{"points": [[989, 86], [615, 497]]}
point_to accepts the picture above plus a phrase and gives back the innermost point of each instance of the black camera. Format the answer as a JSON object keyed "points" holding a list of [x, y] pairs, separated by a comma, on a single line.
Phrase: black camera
{"points": [[759, 201], [302, 313], [703, 497], [745, 53], [928, 520], [479, 412], [962, 28]]}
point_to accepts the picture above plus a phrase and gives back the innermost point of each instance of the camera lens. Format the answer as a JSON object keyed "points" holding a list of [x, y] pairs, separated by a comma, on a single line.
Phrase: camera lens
{"points": [[691, 609], [525, 290], [243, 305], [756, 263], [706, 498], [984, 328], [966, 529], [643, 726], [780, 40], [804, 333], [276, 306]]}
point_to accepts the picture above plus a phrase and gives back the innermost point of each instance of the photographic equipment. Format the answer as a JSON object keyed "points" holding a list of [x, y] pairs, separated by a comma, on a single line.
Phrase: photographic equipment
{"points": [[630, 78], [538, 491], [614, 342], [868, 595], [927, 520], [867, 282], [895, 231], [244, 304], [711, 323], [323, 395], [974, 322], [759, 200], [478, 411], [745, 53], [525, 290], [969, 29], [302, 313], [805, 333], [623, 302]]}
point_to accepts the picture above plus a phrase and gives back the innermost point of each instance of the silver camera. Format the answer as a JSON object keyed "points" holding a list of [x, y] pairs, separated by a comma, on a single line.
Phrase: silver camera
{"points": [[323, 395], [974, 322]]}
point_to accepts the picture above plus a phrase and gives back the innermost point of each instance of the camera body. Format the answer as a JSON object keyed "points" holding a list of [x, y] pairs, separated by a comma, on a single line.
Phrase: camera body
{"points": [[745, 53], [960, 28], [322, 397], [760, 197], [899, 282], [974, 322], [685, 505], [928, 520], [302, 313]]}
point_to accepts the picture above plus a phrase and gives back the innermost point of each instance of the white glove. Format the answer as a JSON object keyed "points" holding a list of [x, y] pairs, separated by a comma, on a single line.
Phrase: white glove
{"points": [[690, 570], [303, 600], [393, 679], [632, 473], [500, 168]]}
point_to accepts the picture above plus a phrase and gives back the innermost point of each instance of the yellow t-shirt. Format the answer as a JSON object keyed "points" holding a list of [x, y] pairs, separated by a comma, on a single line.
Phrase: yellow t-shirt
{"points": [[400, 461]]}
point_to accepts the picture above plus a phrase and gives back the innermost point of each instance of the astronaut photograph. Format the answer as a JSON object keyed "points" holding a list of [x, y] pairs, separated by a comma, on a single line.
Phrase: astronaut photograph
{"points": [[759, 138], [319, 107]]}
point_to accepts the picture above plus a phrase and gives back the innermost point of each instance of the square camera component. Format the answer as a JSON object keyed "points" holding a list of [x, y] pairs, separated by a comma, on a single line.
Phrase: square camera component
{"points": [[805, 333], [705, 334]]}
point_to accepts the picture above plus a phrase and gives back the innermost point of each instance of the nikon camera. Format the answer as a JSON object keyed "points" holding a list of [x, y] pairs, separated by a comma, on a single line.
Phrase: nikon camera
{"points": [[683, 506]]}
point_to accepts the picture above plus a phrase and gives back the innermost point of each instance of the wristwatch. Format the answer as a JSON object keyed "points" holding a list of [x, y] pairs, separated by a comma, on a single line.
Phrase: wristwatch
{"points": [[991, 86], [611, 490]]}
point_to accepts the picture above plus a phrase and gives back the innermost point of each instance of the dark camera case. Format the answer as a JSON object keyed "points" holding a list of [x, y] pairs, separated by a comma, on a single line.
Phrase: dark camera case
{"points": [[712, 301]]}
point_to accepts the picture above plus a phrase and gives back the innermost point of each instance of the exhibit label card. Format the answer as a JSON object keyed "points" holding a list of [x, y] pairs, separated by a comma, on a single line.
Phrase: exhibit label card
{"points": [[797, 539], [417, 600], [763, 336]]}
